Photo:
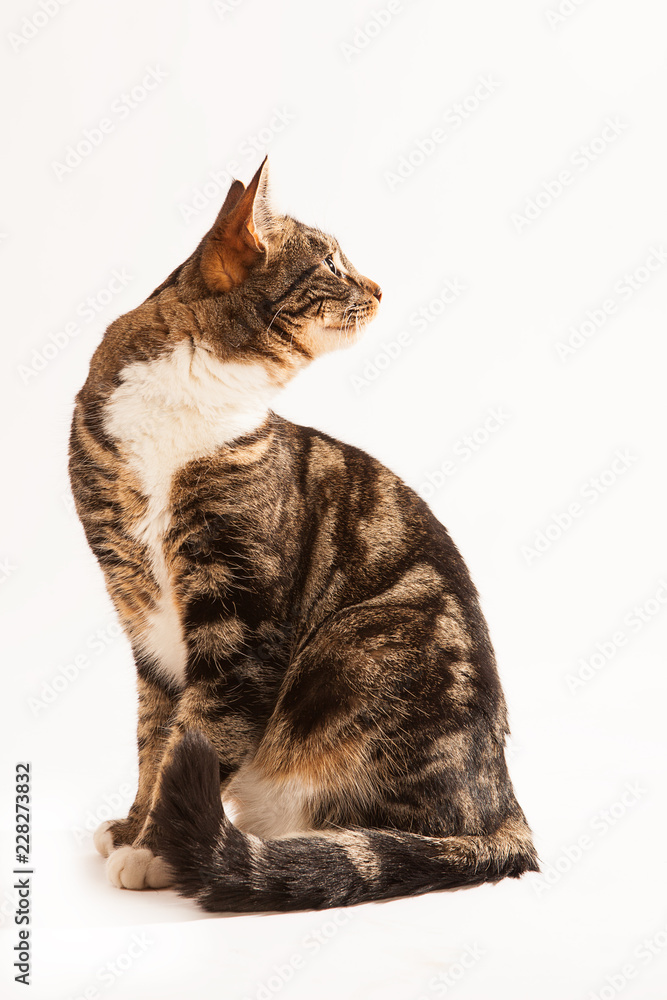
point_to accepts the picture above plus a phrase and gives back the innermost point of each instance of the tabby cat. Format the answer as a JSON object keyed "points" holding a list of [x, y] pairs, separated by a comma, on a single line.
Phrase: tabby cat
{"points": [[311, 656]]}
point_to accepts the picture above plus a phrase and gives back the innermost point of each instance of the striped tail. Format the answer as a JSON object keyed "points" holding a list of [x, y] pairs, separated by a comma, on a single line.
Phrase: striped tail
{"points": [[227, 870]]}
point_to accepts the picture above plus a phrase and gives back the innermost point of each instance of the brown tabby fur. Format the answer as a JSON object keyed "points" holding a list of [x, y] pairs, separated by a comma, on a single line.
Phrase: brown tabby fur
{"points": [[337, 659]]}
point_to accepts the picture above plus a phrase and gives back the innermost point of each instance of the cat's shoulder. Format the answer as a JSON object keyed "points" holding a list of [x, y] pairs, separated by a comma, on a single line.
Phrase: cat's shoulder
{"points": [[312, 439], [323, 453]]}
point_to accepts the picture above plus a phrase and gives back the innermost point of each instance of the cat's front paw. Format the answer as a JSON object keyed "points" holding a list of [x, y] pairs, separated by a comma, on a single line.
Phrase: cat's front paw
{"points": [[138, 868], [113, 833]]}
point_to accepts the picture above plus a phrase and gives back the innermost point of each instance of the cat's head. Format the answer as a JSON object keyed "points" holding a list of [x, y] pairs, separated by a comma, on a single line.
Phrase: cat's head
{"points": [[275, 289]]}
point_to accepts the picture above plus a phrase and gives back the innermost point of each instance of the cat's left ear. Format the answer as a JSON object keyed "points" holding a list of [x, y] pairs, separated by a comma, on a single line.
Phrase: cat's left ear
{"points": [[238, 239]]}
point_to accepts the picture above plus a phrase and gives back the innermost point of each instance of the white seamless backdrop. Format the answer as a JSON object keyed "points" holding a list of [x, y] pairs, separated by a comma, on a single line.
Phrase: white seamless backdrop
{"points": [[500, 170]]}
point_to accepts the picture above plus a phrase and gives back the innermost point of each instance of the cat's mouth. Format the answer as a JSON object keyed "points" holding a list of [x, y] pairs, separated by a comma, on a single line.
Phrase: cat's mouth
{"points": [[353, 319]]}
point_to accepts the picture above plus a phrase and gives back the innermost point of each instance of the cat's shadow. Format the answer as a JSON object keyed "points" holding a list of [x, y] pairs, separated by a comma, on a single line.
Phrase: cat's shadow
{"points": [[152, 906]]}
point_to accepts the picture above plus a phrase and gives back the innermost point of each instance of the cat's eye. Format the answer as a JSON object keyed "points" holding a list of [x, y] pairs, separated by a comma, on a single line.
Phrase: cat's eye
{"points": [[329, 261]]}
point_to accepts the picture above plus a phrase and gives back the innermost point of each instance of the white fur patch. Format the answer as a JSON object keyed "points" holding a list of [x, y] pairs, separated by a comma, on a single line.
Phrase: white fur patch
{"points": [[267, 808], [167, 412]]}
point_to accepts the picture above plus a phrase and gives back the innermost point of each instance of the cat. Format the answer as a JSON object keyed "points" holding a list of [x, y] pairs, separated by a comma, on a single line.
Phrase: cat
{"points": [[311, 655]]}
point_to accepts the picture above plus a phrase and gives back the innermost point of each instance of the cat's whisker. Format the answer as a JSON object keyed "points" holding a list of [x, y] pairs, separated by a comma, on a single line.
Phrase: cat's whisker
{"points": [[272, 319], [343, 329]]}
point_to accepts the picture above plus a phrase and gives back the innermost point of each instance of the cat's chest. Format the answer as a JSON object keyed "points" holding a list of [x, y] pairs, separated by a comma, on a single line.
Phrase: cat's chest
{"points": [[165, 414]]}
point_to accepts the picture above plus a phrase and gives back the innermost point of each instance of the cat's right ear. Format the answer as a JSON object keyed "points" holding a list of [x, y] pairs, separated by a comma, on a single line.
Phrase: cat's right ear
{"points": [[235, 243]]}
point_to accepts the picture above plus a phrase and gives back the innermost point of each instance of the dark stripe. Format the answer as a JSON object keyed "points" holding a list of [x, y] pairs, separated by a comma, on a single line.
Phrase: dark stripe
{"points": [[272, 303], [287, 336]]}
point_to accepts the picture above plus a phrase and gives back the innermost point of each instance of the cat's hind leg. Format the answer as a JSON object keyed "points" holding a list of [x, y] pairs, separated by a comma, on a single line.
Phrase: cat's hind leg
{"points": [[378, 776]]}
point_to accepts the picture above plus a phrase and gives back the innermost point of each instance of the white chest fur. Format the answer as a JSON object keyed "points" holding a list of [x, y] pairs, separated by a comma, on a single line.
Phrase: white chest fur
{"points": [[165, 413]]}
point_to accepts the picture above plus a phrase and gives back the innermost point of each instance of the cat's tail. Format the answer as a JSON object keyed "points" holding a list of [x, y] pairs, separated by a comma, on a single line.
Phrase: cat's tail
{"points": [[227, 870]]}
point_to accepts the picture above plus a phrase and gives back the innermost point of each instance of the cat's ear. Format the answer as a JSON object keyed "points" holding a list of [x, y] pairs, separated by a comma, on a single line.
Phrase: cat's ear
{"points": [[238, 239], [233, 195]]}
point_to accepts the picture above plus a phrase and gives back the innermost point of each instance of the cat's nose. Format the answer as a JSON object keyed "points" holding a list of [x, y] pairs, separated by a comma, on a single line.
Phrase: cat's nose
{"points": [[374, 289]]}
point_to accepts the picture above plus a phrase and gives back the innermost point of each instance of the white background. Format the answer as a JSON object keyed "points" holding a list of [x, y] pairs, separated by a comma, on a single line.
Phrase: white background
{"points": [[587, 758]]}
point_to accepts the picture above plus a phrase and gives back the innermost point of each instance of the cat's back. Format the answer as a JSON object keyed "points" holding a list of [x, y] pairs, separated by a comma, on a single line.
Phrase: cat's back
{"points": [[338, 472], [374, 518]]}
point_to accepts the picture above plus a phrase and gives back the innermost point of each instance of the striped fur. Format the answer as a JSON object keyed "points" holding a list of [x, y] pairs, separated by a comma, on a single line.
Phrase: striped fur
{"points": [[312, 660], [226, 869]]}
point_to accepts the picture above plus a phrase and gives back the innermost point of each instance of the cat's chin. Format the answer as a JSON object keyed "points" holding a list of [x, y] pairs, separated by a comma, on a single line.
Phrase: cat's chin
{"points": [[323, 338], [339, 337], [351, 331]]}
